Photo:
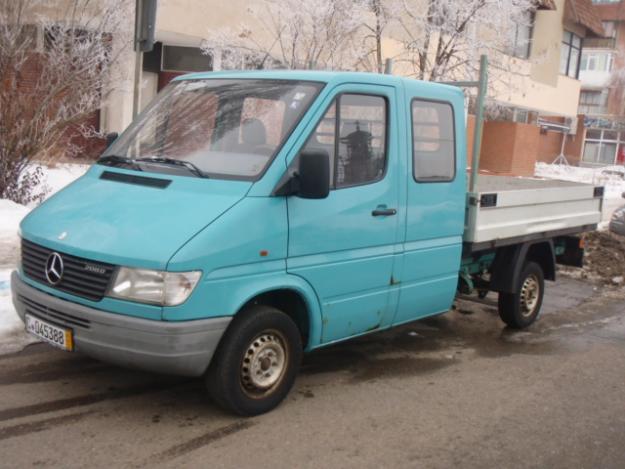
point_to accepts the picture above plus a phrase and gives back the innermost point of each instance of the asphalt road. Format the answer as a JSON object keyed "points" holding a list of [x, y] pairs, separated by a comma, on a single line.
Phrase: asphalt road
{"points": [[457, 390]]}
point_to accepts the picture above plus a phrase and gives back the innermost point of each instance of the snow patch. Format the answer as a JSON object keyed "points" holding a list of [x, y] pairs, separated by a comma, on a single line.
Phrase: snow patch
{"points": [[10, 216], [610, 177], [12, 334]]}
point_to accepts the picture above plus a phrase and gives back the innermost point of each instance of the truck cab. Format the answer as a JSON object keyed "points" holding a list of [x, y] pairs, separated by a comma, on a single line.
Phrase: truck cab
{"points": [[245, 218]]}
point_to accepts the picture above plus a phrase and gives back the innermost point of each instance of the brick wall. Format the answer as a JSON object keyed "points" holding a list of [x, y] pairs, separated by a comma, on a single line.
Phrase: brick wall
{"points": [[90, 147], [470, 135], [165, 77], [550, 143], [512, 148], [509, 148]]}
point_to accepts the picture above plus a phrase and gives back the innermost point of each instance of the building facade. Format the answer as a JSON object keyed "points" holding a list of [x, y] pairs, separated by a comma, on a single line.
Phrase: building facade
{"points": [[602, 98], [538, 113], [540, 122]]}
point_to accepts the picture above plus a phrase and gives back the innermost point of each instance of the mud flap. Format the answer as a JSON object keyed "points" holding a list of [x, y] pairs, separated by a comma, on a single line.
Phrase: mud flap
{"points": [[573, 255]]}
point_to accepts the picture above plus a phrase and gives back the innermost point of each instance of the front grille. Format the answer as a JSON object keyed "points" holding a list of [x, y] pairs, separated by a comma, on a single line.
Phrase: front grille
{"points": [[81, 277], [56, 316]]}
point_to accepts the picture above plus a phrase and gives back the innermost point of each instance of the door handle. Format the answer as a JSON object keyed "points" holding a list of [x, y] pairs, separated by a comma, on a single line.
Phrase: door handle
{"points": [[384, 212]]}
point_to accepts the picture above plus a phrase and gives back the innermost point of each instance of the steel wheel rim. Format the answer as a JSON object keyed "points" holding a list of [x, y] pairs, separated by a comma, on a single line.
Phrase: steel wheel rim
{"points": [[264, 363], [530, 293]]}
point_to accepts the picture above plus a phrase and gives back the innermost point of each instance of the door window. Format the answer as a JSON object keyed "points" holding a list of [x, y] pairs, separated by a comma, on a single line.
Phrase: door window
{"points": [[433, 141], [356, 142], [362, 142]]}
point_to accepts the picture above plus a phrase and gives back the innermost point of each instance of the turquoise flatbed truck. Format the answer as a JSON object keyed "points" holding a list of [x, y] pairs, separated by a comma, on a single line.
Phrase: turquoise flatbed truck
{"points": [[245, 218]]}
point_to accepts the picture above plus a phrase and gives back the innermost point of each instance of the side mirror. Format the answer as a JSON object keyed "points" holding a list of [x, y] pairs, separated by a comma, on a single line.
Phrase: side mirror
{"points": [[314, 174], [110, 138]]}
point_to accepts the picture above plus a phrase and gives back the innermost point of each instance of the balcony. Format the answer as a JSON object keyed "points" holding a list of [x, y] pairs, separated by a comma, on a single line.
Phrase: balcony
{"points": [[595, 78], [599, 43], [592, 110]]}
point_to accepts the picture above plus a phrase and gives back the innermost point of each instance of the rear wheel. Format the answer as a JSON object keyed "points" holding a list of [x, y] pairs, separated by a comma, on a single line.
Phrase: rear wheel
{"points": [[256, 362], [520, 309]]}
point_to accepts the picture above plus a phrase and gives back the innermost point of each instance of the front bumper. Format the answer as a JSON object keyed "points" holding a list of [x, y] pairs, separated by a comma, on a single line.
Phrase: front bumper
{"points": [[181, 348]]}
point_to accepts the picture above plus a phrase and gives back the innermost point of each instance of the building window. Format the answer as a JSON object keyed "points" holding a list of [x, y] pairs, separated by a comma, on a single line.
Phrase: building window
{"points": [[597, 61], [520, 115], [601, 146], [610, 28], [433, 141], [606, 42], [521, 36], [593, 102], [28, 35], [570, 54], [67, 38], [185, 59]]}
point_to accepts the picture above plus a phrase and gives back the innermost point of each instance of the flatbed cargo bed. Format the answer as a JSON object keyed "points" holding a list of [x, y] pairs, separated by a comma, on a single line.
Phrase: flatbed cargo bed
{"points": [[506, 210]]}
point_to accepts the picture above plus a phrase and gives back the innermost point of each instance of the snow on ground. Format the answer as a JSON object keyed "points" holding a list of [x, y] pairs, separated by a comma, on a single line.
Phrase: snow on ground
{"points": [[10, 216], [12, 336], [612, 178]]}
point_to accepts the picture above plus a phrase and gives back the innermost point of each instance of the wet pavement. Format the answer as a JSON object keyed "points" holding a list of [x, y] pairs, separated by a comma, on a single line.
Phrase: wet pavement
{"points": [[458, 389]]}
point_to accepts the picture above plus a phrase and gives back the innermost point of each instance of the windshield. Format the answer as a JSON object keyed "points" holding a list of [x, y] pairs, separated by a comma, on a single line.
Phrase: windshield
{"points": [[223, 128]]}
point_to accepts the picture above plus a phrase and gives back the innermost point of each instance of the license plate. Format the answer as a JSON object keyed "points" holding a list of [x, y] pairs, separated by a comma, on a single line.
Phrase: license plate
{"points": [[54, 335]]}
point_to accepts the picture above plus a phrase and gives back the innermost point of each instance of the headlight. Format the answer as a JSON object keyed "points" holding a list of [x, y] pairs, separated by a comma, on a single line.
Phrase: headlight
{"points": [[154, 286]]}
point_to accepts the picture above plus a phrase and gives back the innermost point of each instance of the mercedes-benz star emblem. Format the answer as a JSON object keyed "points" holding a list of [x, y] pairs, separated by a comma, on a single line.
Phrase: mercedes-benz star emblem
{"points": [[54, 268]]}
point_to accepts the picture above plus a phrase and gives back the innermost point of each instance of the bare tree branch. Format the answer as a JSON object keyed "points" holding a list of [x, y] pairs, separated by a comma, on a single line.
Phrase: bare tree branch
{"points": [[47, 90]]}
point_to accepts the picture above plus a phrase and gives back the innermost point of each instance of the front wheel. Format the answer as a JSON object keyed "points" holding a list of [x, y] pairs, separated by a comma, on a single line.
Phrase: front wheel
{"points": [[520, 309], [256, 363]]}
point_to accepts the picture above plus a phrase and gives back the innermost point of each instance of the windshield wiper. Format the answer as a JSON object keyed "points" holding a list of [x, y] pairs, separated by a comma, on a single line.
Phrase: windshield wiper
{"points": [[173, 162], [115, 160]]}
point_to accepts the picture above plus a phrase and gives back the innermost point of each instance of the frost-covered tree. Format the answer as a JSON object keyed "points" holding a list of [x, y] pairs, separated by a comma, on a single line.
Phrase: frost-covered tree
{"points": [[378, 17], [55, 63], [437, 39], [442, 39], [292, 34]]}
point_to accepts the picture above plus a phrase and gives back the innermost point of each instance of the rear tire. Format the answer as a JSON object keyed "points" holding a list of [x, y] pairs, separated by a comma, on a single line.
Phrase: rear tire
{"points": [[256, 362], [520, 309]]}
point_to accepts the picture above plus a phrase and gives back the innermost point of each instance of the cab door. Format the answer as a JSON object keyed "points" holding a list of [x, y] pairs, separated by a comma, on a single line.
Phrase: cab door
{"points": [[345, 245], [436, 189]]}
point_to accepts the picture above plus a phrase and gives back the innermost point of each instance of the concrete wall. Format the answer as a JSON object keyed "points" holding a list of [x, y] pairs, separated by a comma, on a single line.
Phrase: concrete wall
{"points": [[536, 84], [546, 42]]}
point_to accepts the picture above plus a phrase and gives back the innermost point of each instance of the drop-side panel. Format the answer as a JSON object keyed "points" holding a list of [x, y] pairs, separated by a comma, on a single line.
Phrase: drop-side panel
{"points": [[507, 207]]}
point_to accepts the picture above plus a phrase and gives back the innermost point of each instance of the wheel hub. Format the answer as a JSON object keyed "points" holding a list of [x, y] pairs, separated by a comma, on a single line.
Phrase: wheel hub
{"points": [[264, 363], [530, 292]]}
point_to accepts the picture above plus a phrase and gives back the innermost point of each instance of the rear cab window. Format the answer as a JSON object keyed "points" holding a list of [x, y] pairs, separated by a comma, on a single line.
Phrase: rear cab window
{"points": [[433, 141]]}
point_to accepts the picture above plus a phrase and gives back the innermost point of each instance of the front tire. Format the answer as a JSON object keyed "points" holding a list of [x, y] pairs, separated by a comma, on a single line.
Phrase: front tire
{"points": [[520, 309], [256, 362]]}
